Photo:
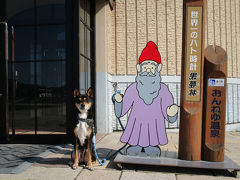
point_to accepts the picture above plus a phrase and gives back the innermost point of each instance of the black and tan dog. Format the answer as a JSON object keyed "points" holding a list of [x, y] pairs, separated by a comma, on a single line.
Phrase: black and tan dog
{"points": [[83, 131]]}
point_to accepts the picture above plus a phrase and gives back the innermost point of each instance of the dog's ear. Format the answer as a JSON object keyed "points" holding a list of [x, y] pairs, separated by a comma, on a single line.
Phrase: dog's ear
{"points": [[90, 93], [76, 93]]}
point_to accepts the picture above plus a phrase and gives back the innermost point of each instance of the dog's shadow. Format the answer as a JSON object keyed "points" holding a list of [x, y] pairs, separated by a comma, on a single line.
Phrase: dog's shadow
{"points": [[54, 158], [62, 158]]}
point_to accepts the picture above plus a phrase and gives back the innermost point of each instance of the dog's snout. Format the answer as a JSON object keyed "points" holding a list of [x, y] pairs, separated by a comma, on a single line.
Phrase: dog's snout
{"points": [[82, 105]]}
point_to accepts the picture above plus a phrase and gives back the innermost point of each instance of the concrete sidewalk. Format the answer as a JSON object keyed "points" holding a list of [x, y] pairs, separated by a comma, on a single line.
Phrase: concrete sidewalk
{"points": [[56, 165]]}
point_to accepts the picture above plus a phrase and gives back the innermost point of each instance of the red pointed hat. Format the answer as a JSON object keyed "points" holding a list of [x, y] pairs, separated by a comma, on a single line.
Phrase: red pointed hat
{"points": [[150, 52]]}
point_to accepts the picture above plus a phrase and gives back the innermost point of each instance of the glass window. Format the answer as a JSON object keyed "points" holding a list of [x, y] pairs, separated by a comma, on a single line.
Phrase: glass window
{"points": [[85, 41], [20, 12], [88, 44], [85, 11], [51, 106], [51, 42], [24, 99], [85, 46], [82, 8], [82, 75], [82, 37], [87, 16], [24, 43], [50, 11], [25, 77], [51, 75], [40, 66], [88, 73]]}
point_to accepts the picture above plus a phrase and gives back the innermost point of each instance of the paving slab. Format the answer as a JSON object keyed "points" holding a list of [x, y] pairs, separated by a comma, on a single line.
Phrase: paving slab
{"points": [[43, 173], [111, 139], [234, 157], [99, 175], [203, 177], [59, 159], [18, 157], [137, 175], [169, 147]]}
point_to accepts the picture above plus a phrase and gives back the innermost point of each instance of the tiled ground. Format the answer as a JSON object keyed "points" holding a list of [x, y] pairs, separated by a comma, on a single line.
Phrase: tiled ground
{"points": [[56, 165], [12, 156]]}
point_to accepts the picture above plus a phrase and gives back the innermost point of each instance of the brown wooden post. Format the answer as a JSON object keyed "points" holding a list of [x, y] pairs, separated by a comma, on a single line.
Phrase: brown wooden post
{"points": [[190, 130], [214, 105]]}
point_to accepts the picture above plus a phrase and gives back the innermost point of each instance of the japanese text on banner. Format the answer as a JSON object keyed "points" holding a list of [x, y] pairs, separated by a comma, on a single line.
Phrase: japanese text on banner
{"points": [[194, 53]]}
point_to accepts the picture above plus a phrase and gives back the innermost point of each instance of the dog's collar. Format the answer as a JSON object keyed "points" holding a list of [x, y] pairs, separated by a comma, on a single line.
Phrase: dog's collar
{"points": [[82, 116], [82, 120]]}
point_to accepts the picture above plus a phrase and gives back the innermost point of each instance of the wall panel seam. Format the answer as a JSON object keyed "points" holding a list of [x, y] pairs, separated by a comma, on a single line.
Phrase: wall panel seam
{"points": [[166, 37], [126, 37], [220, 24], [115, 24], [156, 23], [231, 35], [146, 22], [236, 39], [136, 32]]}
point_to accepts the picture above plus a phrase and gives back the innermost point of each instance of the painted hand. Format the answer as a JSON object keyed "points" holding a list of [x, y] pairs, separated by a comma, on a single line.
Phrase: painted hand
{"points": [[172, 110], [118, 97]]}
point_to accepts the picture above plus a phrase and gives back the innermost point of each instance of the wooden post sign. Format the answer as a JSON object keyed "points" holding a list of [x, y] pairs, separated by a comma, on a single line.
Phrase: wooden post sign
{"points": [[193, 54], [190, 131], [214, 107]]}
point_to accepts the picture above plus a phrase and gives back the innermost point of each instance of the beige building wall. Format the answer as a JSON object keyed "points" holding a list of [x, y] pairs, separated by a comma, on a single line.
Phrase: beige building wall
{"points": [[121, 35], [135, 22]]}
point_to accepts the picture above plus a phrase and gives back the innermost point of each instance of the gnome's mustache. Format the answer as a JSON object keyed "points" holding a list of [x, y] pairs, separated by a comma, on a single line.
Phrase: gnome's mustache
{"points": [[148, 86], [147, 74]]}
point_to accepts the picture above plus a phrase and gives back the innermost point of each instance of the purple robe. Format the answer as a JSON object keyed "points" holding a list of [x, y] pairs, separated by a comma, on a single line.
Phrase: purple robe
{"points": [[146, 125]]}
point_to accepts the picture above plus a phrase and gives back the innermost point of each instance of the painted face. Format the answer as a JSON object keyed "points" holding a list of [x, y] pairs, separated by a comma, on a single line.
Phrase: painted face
{"points": [[149, 67], [148, 81]]}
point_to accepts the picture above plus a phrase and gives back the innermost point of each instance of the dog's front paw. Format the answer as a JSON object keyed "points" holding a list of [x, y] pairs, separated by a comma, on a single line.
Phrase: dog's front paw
{"points": [[75, 166], [90, 167]]}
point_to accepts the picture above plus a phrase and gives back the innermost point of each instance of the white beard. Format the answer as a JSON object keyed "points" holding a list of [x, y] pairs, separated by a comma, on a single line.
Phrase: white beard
{"points": [[148, 86]]}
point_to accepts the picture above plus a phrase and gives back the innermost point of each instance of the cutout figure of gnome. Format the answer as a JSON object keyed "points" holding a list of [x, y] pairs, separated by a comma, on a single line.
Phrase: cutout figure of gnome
{"points": [[150, 102]]}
